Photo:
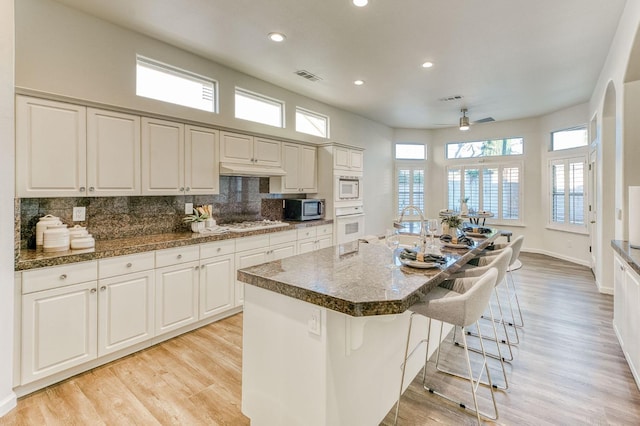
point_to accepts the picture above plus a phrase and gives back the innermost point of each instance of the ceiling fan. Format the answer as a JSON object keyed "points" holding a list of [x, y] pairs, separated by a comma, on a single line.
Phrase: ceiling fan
{"points": [[464, 123]]}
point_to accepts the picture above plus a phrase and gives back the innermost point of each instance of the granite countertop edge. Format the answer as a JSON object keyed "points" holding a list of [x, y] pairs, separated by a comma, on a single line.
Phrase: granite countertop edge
{"points": [[629, 254], [32, 259]]}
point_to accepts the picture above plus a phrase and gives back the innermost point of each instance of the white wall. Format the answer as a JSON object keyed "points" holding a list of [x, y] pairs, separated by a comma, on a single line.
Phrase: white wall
{"points": [[7, 397]]}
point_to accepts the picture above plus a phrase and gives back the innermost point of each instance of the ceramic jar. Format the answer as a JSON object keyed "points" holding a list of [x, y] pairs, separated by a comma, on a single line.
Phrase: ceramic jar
{"points": [[55, 238], [197, 226], [42, 225], [77, 232]]}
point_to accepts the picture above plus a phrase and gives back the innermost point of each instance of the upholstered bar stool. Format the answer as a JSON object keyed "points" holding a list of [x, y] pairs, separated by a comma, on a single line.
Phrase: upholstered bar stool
{"points": [[500, 262], [460, 309]]}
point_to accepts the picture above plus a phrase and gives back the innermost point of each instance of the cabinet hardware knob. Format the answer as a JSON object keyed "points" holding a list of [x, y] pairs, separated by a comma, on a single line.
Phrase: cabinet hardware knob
{"points": [[93, 290], [179, 256], [188, 189], [197, 267], [82, 189], [621, 268], [219, 249], [129, 265], [181, 188], [103, 288], [91, 189], [63, 276]]}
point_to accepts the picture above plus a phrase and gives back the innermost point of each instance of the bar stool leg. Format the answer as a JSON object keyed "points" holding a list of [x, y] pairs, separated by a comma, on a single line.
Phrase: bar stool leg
{"points": [[515, 293]]}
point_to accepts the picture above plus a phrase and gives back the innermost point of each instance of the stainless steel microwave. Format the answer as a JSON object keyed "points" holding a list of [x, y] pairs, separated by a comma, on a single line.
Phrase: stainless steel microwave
{"points": [[303, 209]]}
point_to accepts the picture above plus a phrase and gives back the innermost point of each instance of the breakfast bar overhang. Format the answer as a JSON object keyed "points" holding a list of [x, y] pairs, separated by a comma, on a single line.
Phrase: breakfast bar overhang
{"points": [[324, 333]]}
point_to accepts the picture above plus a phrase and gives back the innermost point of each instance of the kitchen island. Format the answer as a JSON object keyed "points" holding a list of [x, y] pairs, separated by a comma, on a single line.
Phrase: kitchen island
{"points": [[324, 333]]}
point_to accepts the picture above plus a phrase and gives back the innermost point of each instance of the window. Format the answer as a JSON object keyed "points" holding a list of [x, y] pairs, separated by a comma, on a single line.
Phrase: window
{"points": [[569, 138], [410, 151], [312, 123], [261, 109], [567, 191], [495, 188], [488, 148], [168, 84]]}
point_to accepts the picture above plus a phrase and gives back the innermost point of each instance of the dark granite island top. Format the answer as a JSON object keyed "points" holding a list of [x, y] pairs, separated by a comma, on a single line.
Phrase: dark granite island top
{"points": [[630, 255], [355, 283]]}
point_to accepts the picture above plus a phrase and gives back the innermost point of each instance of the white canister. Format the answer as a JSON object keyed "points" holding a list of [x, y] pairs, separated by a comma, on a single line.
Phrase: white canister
{"points": [[42, 224], [85, 242], [55, 238], [77, 232]]}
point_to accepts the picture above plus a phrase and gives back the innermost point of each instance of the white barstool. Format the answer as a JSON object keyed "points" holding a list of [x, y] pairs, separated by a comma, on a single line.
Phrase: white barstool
{"points": [[459, 309]]}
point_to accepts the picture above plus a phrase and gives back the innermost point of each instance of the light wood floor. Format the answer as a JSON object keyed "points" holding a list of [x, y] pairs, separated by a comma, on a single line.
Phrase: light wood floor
{"points": [[568, 370]]}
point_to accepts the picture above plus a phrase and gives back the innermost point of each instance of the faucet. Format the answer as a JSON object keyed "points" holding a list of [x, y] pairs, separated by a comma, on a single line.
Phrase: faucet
{"points": [[423, 232]]}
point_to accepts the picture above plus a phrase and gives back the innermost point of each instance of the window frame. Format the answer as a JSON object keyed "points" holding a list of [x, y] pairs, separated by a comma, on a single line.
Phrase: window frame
{"points": [[564, 150], [569, 154], [395, 151], [483, 157], [263, 98], [412, 164], [308, 112], [182, 73], [501, 163]]}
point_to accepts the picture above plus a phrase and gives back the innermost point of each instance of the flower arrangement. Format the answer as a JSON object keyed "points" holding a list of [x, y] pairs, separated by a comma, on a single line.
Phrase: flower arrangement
{"points": [[453, 221], [197, 216]]}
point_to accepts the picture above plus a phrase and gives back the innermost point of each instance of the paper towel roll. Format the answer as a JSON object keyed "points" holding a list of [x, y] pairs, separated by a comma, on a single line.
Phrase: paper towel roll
{"points": [[634, 216]]}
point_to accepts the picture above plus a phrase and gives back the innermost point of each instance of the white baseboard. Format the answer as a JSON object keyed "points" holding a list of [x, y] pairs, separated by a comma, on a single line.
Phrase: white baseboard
{"points": [[8, 403]]}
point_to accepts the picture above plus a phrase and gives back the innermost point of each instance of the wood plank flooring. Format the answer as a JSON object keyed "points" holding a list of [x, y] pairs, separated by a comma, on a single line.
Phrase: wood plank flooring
{"points": [[568, 370]]}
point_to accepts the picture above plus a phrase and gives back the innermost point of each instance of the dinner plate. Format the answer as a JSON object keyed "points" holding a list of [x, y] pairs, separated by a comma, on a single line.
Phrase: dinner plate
{"points": [[418, 264], [475, 234], [459, 246]]}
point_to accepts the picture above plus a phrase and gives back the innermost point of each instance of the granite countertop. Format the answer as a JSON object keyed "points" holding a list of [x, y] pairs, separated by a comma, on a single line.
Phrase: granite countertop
{"points": [[29, 259], [356, 282], [630, 255]]}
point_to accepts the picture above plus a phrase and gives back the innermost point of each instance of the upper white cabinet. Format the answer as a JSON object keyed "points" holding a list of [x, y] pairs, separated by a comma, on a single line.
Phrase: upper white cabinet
{"points": [[50, 148], [300, 163], [348, 159], [69, 150], [113, 153], [244, 149], [178, 159]]}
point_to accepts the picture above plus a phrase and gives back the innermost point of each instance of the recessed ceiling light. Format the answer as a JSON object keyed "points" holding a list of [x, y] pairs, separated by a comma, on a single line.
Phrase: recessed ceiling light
{"points": [[277, 37], [358, 82], [427, 65], [360, 3]]}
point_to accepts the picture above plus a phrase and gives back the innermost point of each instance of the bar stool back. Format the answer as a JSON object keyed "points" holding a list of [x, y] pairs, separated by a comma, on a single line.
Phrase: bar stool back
{"points": [[462, 310]]}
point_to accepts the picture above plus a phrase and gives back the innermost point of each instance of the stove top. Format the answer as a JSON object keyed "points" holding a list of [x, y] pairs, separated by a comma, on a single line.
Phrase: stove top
{"points": [[254, 225]]}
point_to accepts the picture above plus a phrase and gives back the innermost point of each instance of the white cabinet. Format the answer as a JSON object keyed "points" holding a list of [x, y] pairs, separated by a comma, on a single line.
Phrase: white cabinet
{"points": [[178, 159], [626, 315], [50, 148], [300, 163], [314, 238], [59, 310], [176, 288], [126, 301], [245, 149], [217, 278], [113, 153], [348, 159]]}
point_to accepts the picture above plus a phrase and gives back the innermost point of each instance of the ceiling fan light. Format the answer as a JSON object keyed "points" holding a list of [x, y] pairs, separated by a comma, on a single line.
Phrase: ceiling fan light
{"points": [[464, 120], [360, 3]]}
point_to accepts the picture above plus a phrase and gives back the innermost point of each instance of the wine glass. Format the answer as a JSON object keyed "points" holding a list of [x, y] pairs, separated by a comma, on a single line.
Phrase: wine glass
{"points": [[392, 241], [432, 228]]}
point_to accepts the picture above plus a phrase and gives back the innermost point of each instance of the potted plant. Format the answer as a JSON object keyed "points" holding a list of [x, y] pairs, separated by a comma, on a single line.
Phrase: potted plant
{"points": [[450, 224], [464, 208], [196, 220]]}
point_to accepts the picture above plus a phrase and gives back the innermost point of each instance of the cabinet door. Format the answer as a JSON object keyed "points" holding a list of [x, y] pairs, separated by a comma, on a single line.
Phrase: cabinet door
{"points": [[267, 152], [308, 175], [202, 173], [217, 281], [291, 164], [113, 153], [325, 242], [125, 311], [306, 246], [281, 251], [176, 296], [244, 260], [632, 302], [340, 158], [58, 329], [236, 148], [619, 301], [50, 148], [162, 157], [356, 162]]}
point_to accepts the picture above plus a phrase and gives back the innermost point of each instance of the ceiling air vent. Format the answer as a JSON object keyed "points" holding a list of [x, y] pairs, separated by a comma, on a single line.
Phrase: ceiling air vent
{"points": [[450, 98], [306, 74], [485, 120]]}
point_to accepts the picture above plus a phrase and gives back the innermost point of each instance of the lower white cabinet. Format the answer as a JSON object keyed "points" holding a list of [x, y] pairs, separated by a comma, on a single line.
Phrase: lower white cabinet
{"points": [[58, 329], [217, 278], [626, 313], [176, 296], [126, 306], [316, 238]]}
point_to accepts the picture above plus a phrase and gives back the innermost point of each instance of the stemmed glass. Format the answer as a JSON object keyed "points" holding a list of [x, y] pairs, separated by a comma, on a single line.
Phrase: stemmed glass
{"points": [[392, 241], [432, 228]]}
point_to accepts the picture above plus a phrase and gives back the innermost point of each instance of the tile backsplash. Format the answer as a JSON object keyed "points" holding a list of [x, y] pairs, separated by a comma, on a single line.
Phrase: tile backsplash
{"points": [[240, 198]]}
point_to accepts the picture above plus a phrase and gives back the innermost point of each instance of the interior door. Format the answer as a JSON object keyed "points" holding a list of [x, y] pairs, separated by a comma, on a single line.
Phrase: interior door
{"points": [[593, 203]]}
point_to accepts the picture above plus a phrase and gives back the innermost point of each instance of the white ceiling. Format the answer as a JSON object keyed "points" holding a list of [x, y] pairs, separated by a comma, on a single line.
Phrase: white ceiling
{"points": [[508, 58]]}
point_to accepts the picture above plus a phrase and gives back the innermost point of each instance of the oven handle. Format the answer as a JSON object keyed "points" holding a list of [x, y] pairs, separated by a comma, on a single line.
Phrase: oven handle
{"points": [[349, 215]]}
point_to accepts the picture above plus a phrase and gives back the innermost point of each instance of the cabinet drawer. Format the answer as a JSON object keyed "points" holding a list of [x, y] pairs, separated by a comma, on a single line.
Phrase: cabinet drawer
{"points": [[125, 264], [250, 243], [283, 237], [217, 248], [305, 233], [324, 230], [58, 276], [174, 256]]}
